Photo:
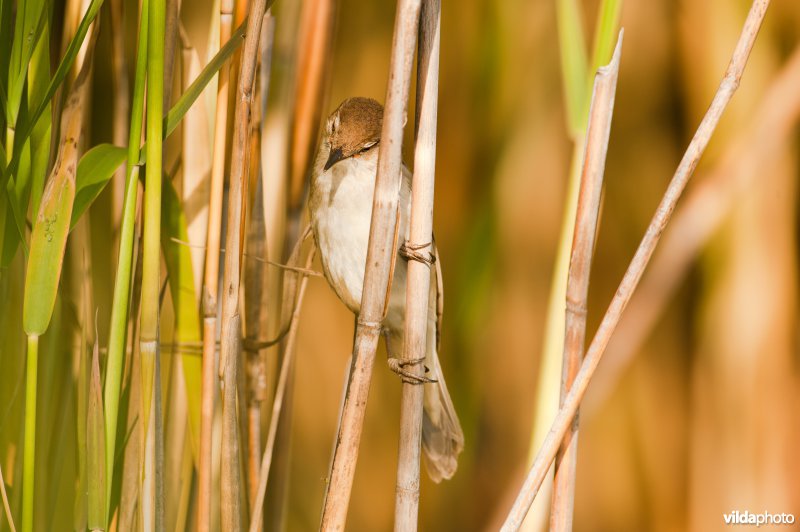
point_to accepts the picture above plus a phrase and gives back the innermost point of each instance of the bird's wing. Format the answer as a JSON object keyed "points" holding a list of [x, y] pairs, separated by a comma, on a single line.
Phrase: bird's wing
{"points": [[437, 264]]}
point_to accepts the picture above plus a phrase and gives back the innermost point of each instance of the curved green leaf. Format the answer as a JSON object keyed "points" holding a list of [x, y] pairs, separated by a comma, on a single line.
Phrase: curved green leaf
{"points": [[94, 171], [98, 164]]}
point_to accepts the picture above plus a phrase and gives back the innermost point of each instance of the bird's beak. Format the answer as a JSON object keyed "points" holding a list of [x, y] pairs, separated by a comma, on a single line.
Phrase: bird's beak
{"points": [[335, 156]]}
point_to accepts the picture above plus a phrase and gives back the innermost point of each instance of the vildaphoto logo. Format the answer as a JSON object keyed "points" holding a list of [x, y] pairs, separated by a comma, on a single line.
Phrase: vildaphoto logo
{"points": [[764, 518]]}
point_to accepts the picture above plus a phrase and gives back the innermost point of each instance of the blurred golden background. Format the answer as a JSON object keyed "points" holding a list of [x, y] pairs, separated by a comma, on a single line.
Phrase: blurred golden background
{"points": [[693, 411], [703, 420]]}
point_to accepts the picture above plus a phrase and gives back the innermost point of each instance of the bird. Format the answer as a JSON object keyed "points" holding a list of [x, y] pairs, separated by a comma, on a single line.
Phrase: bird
{"points": [[340, 205]]}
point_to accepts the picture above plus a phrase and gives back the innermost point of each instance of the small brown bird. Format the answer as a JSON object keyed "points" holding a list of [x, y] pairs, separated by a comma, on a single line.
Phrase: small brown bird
{"points": [[340, 202]]}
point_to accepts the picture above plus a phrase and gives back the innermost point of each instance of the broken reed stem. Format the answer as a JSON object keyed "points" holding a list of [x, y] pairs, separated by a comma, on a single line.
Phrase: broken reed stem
{"points": [[566, 413], [211, 279], [381, 253], [277, 404], [420, 236], [698, 218], [237, 204], [597, 134]]}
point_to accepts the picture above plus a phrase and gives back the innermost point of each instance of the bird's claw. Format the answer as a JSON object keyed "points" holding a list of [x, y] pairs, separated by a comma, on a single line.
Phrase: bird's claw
{"points": [[398, 366]]}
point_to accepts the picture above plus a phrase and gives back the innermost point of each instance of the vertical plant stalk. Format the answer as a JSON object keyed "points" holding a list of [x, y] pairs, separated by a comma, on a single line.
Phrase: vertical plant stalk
{"points": [[46, 259], [577, 77], [381, 253], [420, 237], [280, 394], [120, 304], [151, 262], [211, 279], [122, 96], [29, 451], [691, 157], [130, 489], [255, 276], [597, 135], [314, 53], [230, 339]]}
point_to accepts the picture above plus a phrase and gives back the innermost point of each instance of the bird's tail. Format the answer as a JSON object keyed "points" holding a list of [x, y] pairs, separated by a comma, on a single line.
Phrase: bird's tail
{"points": [[442, 437]]}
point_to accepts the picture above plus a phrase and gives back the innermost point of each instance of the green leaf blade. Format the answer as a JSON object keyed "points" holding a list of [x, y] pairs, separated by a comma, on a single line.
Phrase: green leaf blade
{"points": [[95, 170]]}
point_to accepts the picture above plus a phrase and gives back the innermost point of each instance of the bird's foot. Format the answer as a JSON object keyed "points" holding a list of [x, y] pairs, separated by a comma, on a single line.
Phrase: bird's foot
{"points": [[411, 251], [399, 366]]}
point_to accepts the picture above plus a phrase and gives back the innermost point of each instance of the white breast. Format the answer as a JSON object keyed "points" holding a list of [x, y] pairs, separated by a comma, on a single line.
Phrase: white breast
{"points": [[341, 210]]}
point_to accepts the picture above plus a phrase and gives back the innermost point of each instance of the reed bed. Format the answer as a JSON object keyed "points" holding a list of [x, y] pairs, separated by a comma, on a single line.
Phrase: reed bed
{"points": [[170, 356]]}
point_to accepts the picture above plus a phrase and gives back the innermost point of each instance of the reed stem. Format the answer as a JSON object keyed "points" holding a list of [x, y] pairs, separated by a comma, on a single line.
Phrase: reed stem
{"points": [[381, 253], [120, 304], [231, 484], [151, 256], [29, 456], [211, 279], [420, 233], [588, 208]]}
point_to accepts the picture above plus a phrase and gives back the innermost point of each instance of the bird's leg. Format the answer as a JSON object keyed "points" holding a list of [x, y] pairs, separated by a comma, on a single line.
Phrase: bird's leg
{"points": [[411, 251], [399, 366]]}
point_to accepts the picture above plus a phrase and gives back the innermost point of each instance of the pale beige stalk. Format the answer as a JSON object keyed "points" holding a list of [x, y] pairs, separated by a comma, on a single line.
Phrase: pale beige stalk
{"points": [[598, 131], [380, 256], [211, 279], [231, 494], [730, 83], [420, 236]]}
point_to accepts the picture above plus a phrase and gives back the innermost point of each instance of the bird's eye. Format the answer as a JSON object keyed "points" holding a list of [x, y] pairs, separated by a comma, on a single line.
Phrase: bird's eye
{"points": [[367, 146]]}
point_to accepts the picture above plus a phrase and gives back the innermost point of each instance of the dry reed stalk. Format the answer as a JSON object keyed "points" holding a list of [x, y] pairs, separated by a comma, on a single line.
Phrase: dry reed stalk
{"points": [[277, 404], [598, 131], [420, 237], [705, 208], [560, 425], [211, 279], [237, 206], [256, 278], [381, 254], [314, 52]]}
